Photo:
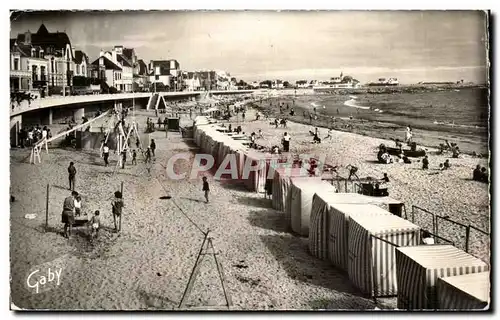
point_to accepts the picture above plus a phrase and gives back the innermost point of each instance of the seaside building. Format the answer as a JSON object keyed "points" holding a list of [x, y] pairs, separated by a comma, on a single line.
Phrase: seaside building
{"points": [[109, 72], [167, 73], [42, 62], [81, 61], [191, 81], [141, 76]]}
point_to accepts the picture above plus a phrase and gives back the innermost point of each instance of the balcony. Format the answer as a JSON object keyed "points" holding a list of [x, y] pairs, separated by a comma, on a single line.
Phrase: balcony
{"points": [[20, 73]]}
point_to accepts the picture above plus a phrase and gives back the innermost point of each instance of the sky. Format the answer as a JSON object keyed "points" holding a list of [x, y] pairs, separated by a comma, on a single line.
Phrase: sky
{"points": [[412, 46]]}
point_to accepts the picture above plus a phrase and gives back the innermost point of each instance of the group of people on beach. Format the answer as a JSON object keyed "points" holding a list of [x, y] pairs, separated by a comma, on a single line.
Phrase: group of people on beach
{"points": [[72, 208], [28, 138]]}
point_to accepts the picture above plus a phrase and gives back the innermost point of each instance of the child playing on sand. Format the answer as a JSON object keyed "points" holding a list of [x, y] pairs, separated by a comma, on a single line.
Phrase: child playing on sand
{"points": [[447, 164], [95, 223], [117, 206], [78, 205], [206, 188], [134, 157], [425, 163]]}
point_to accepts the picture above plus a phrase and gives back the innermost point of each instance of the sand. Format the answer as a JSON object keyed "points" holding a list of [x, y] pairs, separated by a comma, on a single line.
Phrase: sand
{"points": [[148, 264]]}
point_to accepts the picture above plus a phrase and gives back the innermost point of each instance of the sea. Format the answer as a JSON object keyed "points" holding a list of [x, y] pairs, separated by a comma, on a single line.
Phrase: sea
{"points": [[464, 109]]}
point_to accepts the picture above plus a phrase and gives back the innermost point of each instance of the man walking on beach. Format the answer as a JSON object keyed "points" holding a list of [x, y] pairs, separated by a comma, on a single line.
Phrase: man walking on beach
{"points": [[68, 217], [72, 176]]}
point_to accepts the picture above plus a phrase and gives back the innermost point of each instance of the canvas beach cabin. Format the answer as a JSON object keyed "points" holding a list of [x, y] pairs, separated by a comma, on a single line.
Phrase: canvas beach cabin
{"points": [[319, 230], [338, 231], [371, 262], [302, 191], [418, 269], [464, 292], [281, 184]]}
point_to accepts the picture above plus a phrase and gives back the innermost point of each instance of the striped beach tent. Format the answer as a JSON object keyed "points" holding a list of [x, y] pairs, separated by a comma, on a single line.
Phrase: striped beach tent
{"points": [[302, 190], [418, 269], [371, 261], [281, 184], [256, 179], [464, 292], [320, 229], [338, 231]]}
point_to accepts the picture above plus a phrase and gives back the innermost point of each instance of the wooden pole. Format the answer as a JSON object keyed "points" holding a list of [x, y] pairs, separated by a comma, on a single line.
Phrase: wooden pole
{"points": [[221, 275], [467, 236], [194, 272], [47, 208]]}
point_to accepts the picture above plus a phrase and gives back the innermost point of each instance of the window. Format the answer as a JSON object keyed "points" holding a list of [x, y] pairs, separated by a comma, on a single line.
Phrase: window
{"points": [[52, 64], [42, 73], [34, 73], [157, 77], [77, 69], [16, 64], [83, 71]]}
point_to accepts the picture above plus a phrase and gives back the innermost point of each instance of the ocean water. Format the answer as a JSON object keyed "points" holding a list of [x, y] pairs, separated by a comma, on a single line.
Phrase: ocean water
{"points": [[466, 108]]}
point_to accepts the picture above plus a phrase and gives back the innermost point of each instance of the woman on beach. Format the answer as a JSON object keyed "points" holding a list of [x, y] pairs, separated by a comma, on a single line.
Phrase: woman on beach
{"points": [[117, 206]]}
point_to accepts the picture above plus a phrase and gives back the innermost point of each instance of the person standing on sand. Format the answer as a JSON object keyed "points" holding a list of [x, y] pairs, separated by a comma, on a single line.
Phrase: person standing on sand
{"points": [[72, 176], [134, 157], [117, 207], [105, 154], [425, 163], [95, 223], [286, 142], [68, 217], [206, 188], [408, 135], [153, 147], [148, 155]]}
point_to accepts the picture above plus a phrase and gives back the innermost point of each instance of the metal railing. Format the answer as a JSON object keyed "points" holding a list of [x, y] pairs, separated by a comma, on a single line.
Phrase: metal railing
{"points": [[466, 237]]}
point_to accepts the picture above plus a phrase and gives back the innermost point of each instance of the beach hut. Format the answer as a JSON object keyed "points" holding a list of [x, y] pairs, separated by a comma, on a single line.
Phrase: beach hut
{"points": [[320, 232], [371, 261], [464, 292], [418, 269], [302, 190], [281, 184], [338, 231], [255, 179]]}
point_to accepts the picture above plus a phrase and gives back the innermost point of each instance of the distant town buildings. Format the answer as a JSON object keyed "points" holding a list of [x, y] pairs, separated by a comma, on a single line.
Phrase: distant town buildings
{"points": [[45, 63]]}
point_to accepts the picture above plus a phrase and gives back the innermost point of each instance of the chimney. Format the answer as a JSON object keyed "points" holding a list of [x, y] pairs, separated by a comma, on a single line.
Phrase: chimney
{"points": [[101, 53], [27, 37], [113, 53]]}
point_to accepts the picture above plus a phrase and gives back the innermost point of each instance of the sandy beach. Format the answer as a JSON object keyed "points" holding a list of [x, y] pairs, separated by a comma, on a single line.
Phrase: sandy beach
{"points": [[266, 267]]}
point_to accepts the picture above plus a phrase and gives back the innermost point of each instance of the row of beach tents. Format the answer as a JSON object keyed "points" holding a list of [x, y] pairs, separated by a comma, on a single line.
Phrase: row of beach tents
{"points": [[365, 237]]}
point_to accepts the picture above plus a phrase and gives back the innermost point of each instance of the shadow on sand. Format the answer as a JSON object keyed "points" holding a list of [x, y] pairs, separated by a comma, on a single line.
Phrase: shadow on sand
{"points": [[154, 301], [255, 202], [293, 255], [268, 219]]}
